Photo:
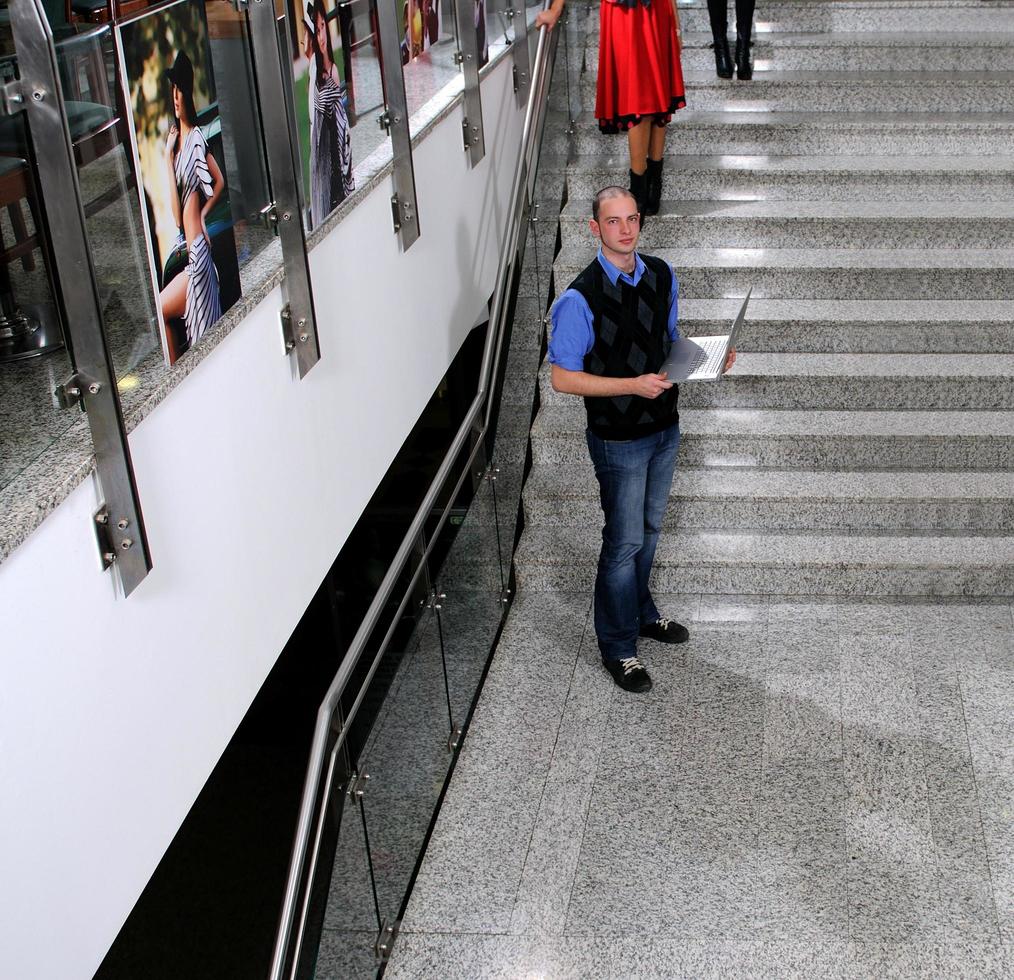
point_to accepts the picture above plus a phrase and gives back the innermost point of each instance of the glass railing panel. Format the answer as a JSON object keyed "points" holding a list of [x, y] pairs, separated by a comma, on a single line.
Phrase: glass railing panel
{"points": [[498, 26], [338, 94], [33, 356], [399, 739], [468, 570], [428, 50], [350, 924]]}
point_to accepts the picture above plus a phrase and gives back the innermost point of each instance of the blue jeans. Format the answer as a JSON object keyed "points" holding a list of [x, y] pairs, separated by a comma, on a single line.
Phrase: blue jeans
{"points": [[635, 477]]}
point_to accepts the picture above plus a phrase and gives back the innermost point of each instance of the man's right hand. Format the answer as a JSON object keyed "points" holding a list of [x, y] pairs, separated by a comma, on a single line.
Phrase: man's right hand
{"points": [[650, 385]]}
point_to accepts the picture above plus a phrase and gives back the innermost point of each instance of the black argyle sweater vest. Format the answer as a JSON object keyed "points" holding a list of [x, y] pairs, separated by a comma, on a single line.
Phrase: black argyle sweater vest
{"points": [[631, 339]]}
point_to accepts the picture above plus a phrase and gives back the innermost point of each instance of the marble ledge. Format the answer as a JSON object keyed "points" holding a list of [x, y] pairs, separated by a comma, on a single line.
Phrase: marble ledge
{"points": [[45, 483]]}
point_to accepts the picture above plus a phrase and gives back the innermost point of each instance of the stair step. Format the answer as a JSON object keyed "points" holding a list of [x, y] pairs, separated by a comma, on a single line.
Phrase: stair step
{"points": [[899, 273], [859, 51], [814, 440], [814, 224], [822, 133], [567, 495], [847, 382], [947, 18], [554, 558], [854, 326], [804, 178], [834, 91]]}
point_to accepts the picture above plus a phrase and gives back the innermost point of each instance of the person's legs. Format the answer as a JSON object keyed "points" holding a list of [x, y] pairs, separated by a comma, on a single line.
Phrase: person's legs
{"points": [[744, 39], [638, 138], [622, 472], [719, 16], [718, 13], [653, 175], [658, 484], [744, 17]]}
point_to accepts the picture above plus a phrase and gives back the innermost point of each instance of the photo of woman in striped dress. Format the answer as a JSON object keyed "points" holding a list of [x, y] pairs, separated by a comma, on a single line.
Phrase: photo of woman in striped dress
{"points": [[331, 179], [197, 183]]}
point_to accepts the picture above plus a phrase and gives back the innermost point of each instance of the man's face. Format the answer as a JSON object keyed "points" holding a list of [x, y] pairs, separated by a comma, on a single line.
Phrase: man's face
{"points": [[618, 225]]}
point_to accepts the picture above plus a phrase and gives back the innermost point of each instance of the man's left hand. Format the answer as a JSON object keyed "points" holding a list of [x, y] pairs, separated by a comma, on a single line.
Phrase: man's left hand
{"points": [[730, 359]]}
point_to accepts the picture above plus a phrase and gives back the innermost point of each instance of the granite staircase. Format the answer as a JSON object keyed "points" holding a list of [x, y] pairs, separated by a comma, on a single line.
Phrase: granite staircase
{"points": [[863, 185]]}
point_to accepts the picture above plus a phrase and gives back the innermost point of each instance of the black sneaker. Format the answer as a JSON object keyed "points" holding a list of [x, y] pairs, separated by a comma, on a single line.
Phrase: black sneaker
{"points": [[629, 674], [665, 631]]}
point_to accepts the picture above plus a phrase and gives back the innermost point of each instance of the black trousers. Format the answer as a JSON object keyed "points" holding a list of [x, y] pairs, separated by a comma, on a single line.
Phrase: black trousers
{"points": [[718, 10]]}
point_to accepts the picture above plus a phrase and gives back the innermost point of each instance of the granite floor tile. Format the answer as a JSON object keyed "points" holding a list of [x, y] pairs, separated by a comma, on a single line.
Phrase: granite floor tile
{"points": [[886, 805], [346, 955], [802, 717], [967, 909], [613, 957], [959, 840], [898, 960], [887, 904]]}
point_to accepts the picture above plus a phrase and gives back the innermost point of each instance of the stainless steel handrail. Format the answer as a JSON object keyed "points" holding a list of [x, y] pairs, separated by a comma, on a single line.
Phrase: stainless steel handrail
{"points": [[322, 760]]}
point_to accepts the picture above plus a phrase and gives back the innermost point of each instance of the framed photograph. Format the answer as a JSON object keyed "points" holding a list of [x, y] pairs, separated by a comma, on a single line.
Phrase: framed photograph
{"points": [[320, 66], [176, 135]]}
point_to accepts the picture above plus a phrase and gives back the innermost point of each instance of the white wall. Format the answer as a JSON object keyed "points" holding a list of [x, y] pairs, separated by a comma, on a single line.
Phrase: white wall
{"points": [[113, 712]]}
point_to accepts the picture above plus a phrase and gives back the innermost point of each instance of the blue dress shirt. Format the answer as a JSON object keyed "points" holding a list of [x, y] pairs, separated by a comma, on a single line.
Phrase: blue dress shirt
{"points": [[573, 323]]}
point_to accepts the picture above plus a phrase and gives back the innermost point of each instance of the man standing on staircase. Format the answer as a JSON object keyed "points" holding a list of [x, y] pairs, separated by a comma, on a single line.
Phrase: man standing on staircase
{"points": [[612, 329]]}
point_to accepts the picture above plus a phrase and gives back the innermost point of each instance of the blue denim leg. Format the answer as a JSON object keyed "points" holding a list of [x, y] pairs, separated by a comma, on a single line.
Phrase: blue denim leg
{"points": [[656, 495], [634, 478]]}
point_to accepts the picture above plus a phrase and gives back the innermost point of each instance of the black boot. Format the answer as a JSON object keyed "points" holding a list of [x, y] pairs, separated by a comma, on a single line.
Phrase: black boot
{"points": [[723, 60], [639, 188], [744, 61], [654, 190]]}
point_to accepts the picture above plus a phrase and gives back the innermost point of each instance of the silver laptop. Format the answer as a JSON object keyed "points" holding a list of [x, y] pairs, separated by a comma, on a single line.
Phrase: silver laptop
{"points": [[702, 358]]}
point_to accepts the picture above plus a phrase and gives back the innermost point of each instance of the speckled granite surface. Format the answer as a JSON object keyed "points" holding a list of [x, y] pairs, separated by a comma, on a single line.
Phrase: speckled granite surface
{"points": [[812, 789]]}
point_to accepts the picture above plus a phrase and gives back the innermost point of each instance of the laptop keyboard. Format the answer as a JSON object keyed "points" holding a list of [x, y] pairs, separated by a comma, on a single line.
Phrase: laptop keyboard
{"points": [[711, 349]]}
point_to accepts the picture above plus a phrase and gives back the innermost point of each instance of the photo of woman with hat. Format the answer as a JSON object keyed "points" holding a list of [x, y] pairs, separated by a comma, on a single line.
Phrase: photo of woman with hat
{"points": [[331, 179], [197, 184], [179, 153]]}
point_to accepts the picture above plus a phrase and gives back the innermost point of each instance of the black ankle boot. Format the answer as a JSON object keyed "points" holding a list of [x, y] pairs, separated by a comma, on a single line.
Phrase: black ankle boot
{"points": [[744, 61], [654, 188], [723, 60], [639, 188]]}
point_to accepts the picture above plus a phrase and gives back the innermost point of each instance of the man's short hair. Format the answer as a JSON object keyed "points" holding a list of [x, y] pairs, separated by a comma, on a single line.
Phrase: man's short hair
{"points": [[607, 194]]}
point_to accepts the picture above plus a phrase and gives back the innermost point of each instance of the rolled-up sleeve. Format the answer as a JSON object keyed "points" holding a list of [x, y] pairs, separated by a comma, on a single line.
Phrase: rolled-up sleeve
{"points": [[573, 331]]}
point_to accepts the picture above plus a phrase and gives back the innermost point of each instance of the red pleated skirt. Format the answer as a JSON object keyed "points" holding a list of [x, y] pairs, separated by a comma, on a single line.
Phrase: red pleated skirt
{"points": [[639, 65]]}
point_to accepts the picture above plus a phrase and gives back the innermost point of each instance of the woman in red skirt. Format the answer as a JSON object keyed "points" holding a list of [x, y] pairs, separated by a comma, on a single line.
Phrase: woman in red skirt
{"points": [[640, 83]]}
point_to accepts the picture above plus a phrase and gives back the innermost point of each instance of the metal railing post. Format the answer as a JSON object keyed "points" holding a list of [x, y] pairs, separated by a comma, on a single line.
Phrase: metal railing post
{"points": [[118, 523], [522, 56], [404, 209], [468, 56], [274, 85]]}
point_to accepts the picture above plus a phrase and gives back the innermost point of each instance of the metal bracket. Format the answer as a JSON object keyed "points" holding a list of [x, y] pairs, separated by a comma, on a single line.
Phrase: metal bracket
{"points": [[401, 213], [385, 941], [12, 98], [384, 121], [459, 58], [434, 600], [534, 217], [505, 597], [69, 393], [109, 547], [471, 133], [454, 739], [357, 785], [269, 217]]}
